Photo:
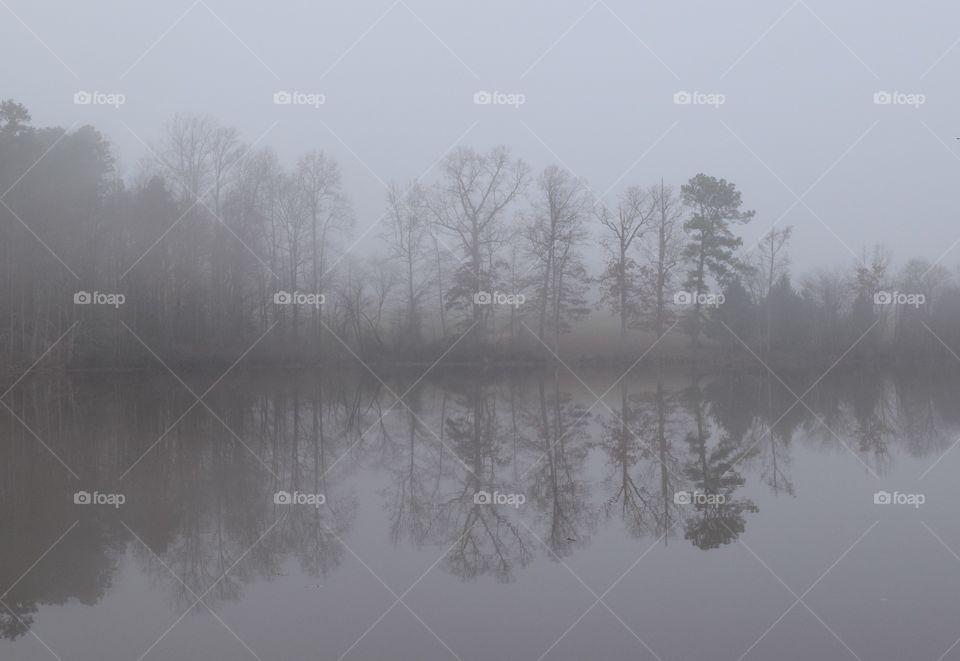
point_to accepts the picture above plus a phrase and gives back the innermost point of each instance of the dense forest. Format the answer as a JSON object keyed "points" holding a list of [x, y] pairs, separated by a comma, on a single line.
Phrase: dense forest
{"points": [[214, 249]]}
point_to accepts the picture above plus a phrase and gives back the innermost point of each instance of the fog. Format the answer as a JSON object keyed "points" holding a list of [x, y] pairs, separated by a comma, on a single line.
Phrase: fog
{"points": [[599, 79], [428, 330]]}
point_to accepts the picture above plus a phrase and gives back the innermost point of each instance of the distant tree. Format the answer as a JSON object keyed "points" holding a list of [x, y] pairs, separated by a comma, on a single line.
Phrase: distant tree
{"points": [[827, 293], [788, 327], [362, 298], [734, 322], [945, 318], [870, 276], [153, 210], [54, 185], [871, 272], [14, 119], [919, 276], [250, 208], [922, 279], [518, 280], [294, 223], [769, 264]]}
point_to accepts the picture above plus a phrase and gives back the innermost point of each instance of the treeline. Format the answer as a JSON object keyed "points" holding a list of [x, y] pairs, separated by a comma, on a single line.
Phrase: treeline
{"points": [[214, 245]]}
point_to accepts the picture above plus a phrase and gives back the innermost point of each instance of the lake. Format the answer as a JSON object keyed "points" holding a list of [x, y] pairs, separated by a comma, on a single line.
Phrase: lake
{"points": [[527, 514]]}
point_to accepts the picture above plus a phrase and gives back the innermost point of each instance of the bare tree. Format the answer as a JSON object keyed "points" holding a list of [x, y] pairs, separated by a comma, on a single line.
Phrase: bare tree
{"points": [[469, 202], [555, 234], [665, 255], [620, 280], [328, 213], [828, 293], [293, 216], [871, 273], [251, 210], [202, 156], [518, 280], [919, 276], [406, 232], [770, 263]]}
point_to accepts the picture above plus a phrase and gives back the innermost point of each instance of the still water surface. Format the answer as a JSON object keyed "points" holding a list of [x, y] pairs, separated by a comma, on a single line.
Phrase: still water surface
{"points": [[678, 518]]}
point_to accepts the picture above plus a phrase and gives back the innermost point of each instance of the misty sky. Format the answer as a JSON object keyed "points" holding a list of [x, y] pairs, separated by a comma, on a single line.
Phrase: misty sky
{"points": [[599, 79]]}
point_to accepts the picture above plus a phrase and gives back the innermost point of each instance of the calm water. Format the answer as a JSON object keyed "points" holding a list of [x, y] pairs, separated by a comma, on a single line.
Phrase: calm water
{"points": [[680, 518]]}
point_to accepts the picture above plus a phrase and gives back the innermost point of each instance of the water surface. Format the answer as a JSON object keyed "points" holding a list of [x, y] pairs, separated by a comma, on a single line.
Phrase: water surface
{"points": [[677, 517]]}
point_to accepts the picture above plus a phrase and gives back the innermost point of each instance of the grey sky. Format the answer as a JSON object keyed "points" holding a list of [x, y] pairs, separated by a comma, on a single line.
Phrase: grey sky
{"points": [[599, 80]]}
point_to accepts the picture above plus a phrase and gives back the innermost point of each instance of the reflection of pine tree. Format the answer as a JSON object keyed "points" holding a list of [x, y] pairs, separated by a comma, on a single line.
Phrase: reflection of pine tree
{"points": [[711, 472], [16, 618]]}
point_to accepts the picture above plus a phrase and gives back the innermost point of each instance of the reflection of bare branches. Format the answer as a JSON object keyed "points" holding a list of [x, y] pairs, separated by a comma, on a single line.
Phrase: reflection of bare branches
{"points": [[644, 469], [919, 416], [417, 470], [637, 504], [200, 499], [489, 544], [775, 459], [310, 534], [488, 541], [557, 488]]}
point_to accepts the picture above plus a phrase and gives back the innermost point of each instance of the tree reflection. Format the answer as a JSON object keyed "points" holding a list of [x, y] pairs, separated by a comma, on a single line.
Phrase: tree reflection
{"points": [[719, 518], [631, 498], [201, 500], [557, 486], [485, 539]]}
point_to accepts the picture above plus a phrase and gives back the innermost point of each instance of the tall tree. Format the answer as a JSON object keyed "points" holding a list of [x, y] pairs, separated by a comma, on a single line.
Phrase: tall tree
{"points": [[406, 232], [555, 234], [469, 203], [623, 229], [770, 263], [328, 214], [664, 256], [715, 205]]}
